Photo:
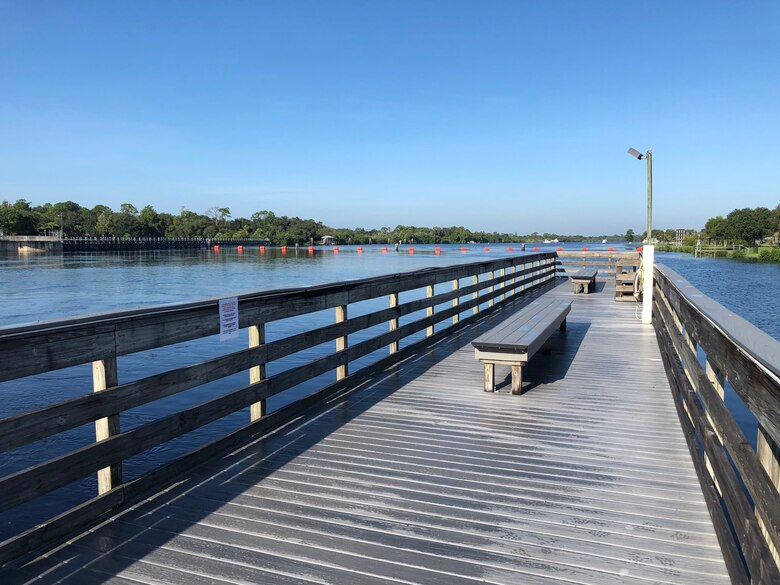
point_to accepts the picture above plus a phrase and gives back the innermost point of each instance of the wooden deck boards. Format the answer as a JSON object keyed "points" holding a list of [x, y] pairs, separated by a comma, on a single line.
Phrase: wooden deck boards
{"points": [[421, 477]]}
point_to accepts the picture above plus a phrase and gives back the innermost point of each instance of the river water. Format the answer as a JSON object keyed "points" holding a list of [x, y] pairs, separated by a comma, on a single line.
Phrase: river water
{"points": [[44, 288]]}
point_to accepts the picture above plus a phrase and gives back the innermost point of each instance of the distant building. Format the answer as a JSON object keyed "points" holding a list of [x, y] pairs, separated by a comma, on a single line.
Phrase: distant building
{"points": [[327, 240]]}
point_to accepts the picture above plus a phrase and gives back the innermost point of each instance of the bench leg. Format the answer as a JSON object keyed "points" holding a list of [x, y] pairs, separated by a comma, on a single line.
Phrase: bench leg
{"points": [[547, 347], [563, 325], [577, 287], [490, 377], [517, 379], [586, 288]]}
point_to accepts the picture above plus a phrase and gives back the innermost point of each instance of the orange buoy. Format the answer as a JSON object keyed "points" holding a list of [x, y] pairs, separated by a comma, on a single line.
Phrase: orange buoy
{"points": [[384, 249], [536, 249], [437, 250], [284, 249], [560, 248], [311, 249], [411, 250], [335, 249], [510, 249], [360, 249], [463, 248], [639, 249], [262, 249], [216, 247], [610, 249], [584, 248], [487, 248]]}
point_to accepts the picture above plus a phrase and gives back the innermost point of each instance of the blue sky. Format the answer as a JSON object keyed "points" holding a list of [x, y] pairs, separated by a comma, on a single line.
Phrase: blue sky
{"points": [[508, 116]]}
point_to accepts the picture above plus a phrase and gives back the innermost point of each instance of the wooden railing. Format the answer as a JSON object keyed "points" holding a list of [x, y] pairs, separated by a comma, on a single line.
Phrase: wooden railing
{"points": [[471, 290], [705, 347], [572, 261], [618, 265]]}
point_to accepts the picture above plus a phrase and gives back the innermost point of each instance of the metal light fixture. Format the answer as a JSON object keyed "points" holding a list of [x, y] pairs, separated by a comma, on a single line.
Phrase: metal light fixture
{"points": [[635, 153]]}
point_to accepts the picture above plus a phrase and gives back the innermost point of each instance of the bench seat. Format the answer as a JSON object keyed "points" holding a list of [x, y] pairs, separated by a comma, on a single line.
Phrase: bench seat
{"points": [[516, 339], [584, 279]]}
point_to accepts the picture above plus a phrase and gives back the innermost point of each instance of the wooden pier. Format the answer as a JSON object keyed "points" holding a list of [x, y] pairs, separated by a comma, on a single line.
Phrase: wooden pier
{"points": [[406, 470]]}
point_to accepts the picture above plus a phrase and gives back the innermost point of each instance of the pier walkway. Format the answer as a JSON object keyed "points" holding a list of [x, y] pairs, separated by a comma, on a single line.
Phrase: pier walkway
{"points": [[418, 476]]}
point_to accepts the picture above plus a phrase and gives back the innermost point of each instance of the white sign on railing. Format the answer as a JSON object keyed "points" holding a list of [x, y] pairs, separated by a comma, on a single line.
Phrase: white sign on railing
{"points": [[228, 318]]}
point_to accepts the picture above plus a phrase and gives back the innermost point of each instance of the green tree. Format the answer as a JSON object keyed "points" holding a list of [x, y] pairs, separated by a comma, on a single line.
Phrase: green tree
{"points": [[629, 235], [748, 225], [716, 228], [17, 220], [68, 214], [104, 223], [150, 223], [776, 220], [126, 224], [128, 208], [188, 224]]}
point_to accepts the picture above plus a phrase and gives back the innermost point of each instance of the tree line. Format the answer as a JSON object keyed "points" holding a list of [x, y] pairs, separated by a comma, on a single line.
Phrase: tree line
{"points": [[73, 220], [745, 226], [21, 218]]}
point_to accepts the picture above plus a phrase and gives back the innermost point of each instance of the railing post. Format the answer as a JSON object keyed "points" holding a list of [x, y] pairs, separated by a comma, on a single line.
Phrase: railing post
{"points": [[257, 373], [429, 310], [716, 379], [490, 288], [513, 291], [475, 294], [522, 277], [104, 375], [501, 273], [393, 297], [769, 456], [341, 342], [455, 301]]}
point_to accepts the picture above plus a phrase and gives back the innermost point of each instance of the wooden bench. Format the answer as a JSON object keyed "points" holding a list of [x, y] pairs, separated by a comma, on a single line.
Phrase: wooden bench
{"points": [[516, 339], [583, 279]]}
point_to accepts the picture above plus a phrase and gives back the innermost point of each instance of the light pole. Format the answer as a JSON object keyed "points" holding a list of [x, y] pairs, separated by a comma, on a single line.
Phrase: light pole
{"points": [[648, 251], [60, 226], [649, 156]]}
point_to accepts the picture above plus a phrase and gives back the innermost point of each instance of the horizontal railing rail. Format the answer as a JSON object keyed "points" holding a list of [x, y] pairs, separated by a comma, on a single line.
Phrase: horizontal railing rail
{"points": [[41, 348], [570, 261], [705, 347]]}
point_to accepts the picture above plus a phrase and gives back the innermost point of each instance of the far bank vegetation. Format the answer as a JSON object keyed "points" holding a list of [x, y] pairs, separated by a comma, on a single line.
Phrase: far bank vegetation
{"points": [[21, 218], [737, 232]]}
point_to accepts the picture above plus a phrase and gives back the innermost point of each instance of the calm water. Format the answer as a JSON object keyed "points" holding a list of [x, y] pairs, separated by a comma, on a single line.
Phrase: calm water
{"points": [[752, 291], [45, 288]]}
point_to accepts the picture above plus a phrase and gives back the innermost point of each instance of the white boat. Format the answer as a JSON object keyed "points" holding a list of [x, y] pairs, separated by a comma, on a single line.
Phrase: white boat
{"points": [[603, 241]]}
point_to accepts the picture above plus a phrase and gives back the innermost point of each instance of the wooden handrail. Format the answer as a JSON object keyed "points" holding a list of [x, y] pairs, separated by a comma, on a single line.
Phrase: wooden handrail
{"points": [[572, 260], [707, 348], [35, 349]]}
